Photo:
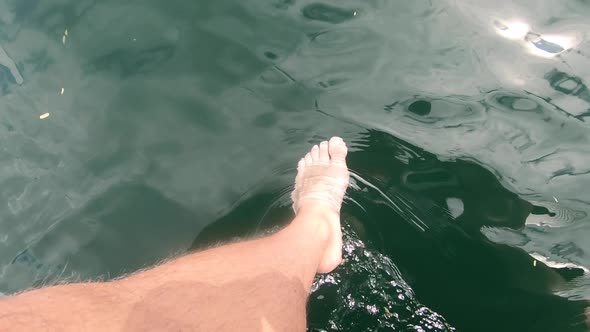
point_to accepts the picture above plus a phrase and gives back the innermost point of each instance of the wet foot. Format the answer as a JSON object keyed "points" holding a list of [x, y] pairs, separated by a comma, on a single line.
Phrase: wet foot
{"points": [[322, 180]]}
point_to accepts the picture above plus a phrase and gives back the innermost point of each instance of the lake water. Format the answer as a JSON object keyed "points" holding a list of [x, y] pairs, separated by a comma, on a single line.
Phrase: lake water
{"points": [[127, 127]]}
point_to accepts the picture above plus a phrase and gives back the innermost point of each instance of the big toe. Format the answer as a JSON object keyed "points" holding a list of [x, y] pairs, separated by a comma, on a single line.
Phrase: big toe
{"points": [[338, 150]]}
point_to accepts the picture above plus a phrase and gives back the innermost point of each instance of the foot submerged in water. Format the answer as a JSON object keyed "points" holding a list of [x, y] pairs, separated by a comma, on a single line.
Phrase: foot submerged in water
{"points": [[322, 180]]}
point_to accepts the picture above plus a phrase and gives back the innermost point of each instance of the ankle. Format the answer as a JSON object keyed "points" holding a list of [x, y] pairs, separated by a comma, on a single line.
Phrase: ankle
{"points": [[316, 222], [319, 211]]}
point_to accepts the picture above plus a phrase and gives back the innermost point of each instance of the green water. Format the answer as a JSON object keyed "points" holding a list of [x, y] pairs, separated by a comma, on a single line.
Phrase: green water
{"points": [[161, 115]]}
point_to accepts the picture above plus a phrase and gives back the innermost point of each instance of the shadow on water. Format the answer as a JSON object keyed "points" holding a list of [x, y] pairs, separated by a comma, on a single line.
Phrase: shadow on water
{"points": [[426, 216]]}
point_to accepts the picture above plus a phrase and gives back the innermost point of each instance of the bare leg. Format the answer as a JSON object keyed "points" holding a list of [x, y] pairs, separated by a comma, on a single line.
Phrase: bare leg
{"points": [[258, 285]]}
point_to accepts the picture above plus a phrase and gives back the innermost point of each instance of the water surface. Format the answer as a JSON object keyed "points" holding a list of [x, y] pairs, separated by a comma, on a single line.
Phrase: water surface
{"points": [[127, 127]]}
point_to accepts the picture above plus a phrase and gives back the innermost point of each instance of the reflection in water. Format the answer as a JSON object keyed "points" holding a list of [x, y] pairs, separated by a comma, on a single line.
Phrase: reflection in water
{"points": [[573, 86], [567, 84], [543, 44], [539, 45]]}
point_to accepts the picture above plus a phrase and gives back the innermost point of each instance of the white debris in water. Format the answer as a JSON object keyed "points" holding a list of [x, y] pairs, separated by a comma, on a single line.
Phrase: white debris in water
{"points": [[417, 328], [333, 325], [349, 248], [350, 302], [330, 279], [455, 206], [372, 309]]}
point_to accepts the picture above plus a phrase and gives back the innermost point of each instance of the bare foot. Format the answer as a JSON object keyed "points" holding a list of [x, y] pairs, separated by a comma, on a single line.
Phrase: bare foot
{"points": [[322, 180]]}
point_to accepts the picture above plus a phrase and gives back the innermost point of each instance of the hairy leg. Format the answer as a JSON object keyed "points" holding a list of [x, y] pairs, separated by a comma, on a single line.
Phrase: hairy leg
{"points": [[257, 285]]}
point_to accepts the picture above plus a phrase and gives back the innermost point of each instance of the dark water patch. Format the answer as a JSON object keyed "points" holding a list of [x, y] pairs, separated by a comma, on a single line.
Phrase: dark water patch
{"points": [[439, 112], [327, 13], [540, 210], [270, 55], [561, 215], [513, 102], [519, 296], [420, 107], [565, 83], [572, 85], [266, 120]]}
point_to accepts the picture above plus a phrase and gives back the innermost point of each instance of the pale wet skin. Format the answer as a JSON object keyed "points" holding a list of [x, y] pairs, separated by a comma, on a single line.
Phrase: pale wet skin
{"points": [[129, 127], [321, 182]]}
